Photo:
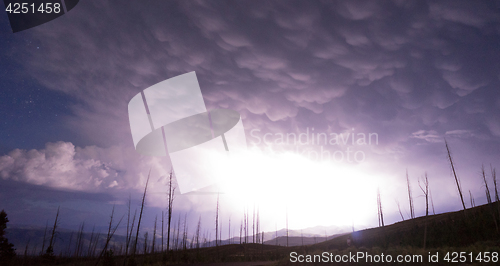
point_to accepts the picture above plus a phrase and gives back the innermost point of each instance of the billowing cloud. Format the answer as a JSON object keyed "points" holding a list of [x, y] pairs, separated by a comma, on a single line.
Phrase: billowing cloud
{"points": [[62, 165]]}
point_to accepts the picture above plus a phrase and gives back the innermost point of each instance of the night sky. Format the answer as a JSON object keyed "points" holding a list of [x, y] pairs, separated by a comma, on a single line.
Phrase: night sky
{"points": [[413, 72]]}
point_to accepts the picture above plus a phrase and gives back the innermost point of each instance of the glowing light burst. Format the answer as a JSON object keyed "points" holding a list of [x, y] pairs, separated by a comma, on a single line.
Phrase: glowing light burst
{"points": [[314, 193]]}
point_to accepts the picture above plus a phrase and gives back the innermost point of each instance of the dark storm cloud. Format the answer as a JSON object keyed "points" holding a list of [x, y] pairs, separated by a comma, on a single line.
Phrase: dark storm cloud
{"points": [[277, 60]]}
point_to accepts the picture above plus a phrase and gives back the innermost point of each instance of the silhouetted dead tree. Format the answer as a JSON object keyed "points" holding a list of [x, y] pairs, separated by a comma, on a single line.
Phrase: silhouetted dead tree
{"points": [[128, 234], [241, 228], [245, 225], [171, 195], [111, 232], [89, 250], [162, 235], [154, 236], [146, 243], [44, 236], [229, 230], [494, 176], [253, 225], [487, 190], [380, 211], [432, 202], [257, 226], [68, 252], [198, 228], [79, 239], [455, 174], [140, 214], [50, 249], [96, 241], [472, 203], [217, 221], [410, 197], [425, 190], [399, 209], [488, 197], [185, 233], [287, 226], [177, 247]]}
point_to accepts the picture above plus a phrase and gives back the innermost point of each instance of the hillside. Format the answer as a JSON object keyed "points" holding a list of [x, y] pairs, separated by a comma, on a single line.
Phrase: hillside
{"points": [[450, 231]]}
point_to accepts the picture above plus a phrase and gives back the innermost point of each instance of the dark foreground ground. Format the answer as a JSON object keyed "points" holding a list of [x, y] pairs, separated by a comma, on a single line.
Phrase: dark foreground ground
{"points": [[468, 237]]}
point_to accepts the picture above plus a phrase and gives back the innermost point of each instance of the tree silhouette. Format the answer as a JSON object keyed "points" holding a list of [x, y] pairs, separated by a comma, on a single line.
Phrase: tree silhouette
{"points": [[7, 251]]}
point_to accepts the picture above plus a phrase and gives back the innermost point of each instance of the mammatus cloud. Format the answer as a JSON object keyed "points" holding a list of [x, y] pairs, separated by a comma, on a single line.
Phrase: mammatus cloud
{"points": [[352, 56]]}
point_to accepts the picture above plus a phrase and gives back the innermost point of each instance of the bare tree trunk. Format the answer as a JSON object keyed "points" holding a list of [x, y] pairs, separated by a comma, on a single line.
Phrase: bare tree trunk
{"points": [[68, 252], [455, 174], [154, 236], [472, 203], [177, 247], [140, 214], [494, 176], [432, 202], [79, 238], [247, 228], [241, 227], [198, 228], [379, 204], [111, 232], [50, 249], [90, 242], [229, 230], [410, 197], [245, 225], [171, 193], [129, 230], [217, 221], [488, 197], [95, 244], [399, 209], [44, 236], [287, 226], [257, 226], [185, 232], [425, 190], [145, 243], [253, 224], [162, 235]]}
